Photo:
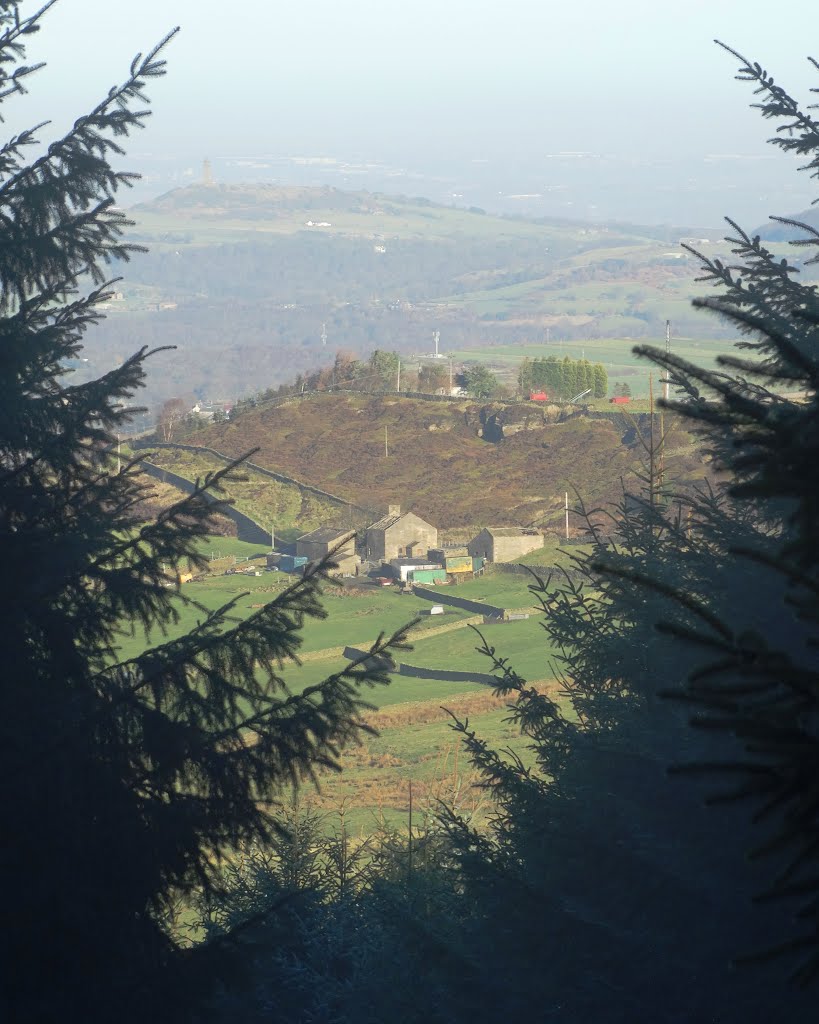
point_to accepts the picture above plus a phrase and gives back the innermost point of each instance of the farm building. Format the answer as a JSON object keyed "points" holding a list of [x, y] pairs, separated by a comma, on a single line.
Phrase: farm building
{"points": [[405, 567], [504, 543], [453, 559], [399, 534], [314, 546]]}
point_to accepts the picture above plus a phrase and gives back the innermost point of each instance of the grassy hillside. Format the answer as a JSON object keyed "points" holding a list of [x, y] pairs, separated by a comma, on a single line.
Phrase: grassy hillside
{"points": [[438, 464], [285, 507]]}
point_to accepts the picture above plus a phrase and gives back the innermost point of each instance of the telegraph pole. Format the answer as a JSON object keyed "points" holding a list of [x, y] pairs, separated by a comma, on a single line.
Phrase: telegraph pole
{"points": [[567, 515], [272, 538], [668, 353]]}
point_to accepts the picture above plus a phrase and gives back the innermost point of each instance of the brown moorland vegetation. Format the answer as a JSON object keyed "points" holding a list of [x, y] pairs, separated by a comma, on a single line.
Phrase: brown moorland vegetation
{"points": [[440, 463]]}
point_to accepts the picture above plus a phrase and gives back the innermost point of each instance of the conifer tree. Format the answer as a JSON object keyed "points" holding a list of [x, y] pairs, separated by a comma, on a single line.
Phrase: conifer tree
{"points": [[757, 676], [635, 894], [124, 782], [600, 380], [568, 377], [552, 380]]}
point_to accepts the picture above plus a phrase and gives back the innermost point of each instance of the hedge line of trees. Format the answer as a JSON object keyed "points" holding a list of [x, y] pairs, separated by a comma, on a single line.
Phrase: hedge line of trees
{"points": [[563, 378]]}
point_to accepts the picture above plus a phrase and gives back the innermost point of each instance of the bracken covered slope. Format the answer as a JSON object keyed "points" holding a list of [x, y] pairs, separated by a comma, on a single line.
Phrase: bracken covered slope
{"points": [[435, 458]]}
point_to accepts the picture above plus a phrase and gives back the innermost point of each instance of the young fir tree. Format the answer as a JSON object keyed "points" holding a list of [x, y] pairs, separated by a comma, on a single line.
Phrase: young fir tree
{"points": [[125, 783]]}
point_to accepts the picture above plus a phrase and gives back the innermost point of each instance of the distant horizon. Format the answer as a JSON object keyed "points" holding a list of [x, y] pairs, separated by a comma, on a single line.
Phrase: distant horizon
{"points": [[163, 174], [595, 112]]}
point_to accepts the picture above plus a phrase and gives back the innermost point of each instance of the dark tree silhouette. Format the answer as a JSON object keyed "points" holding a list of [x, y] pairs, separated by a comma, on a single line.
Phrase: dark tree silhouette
{"points": [[124, 783], [634, 894]]}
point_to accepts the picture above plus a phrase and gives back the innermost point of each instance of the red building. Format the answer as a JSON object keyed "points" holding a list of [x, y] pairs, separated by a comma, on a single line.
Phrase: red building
{"points": [[538, 396]]}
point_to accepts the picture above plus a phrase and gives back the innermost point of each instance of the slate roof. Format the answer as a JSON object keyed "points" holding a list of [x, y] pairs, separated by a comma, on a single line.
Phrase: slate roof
{"points": [[385, 522], [326, 535]]}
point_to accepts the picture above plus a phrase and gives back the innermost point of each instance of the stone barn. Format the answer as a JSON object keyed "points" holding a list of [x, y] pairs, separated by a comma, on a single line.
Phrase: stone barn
{"points": [[504, 543], [399, 534], [322, 541]]}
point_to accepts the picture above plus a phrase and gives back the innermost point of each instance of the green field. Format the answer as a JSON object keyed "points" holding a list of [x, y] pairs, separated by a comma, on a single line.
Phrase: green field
{"points": [[224, 547], [415, 742], [353, 618]]}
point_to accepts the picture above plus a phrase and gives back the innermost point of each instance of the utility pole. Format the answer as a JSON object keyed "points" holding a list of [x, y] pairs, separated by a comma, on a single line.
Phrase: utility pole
{"points": [[398, 382], [668, 353], [567, 515], [272, 538], [436, 337], [450, 376]]}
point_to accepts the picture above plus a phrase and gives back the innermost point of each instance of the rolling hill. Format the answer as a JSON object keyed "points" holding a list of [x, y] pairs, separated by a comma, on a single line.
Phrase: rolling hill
{"points": [[437, 459], [244, 281]]}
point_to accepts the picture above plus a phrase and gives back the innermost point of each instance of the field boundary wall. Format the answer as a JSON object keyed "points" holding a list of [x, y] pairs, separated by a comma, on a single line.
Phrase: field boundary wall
{"points": [[352, 653], [281, 478], [478, 607], [515, 569], [247, 529]]}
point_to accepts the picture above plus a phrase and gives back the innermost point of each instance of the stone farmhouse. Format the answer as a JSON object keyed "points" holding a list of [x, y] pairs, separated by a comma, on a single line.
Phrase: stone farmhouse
{"points": [[504, 543], [399, 534], [314, 546]]}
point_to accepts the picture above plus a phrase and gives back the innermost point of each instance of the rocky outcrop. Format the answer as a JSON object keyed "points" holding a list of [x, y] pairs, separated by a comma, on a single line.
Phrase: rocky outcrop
{"points": [[502, 421]]}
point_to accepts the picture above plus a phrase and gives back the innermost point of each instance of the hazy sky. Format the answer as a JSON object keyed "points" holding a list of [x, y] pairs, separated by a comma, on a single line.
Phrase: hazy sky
{"points": [[428, 79]]}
